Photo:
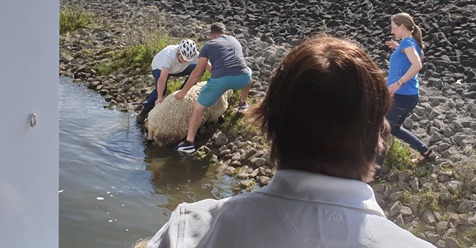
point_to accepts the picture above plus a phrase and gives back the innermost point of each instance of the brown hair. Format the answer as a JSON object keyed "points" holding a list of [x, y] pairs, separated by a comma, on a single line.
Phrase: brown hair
{"points": [[325, 110], [217, 28], [407, 21]]}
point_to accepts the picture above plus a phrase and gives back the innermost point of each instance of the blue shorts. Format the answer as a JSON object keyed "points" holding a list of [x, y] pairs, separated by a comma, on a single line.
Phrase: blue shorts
{"points": [[216, 87]]}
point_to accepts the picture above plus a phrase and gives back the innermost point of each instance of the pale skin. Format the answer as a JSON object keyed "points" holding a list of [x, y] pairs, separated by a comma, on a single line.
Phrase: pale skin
{"points": [[198, 109], [400, 32], [163, 78]]}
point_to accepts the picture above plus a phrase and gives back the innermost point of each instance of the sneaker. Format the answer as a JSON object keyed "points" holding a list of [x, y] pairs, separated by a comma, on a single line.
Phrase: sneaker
{"points": [[429, 156], [140, 118], [243, 107], [185, 147]]}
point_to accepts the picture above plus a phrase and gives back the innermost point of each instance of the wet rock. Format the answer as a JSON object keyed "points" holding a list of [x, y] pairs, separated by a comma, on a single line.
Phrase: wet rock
{"points": [[264, 180], [220, 138]]}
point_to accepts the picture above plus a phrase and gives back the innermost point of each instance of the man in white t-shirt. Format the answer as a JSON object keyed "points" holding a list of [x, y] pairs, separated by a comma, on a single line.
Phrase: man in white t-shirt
{"points": [[174, 60]]}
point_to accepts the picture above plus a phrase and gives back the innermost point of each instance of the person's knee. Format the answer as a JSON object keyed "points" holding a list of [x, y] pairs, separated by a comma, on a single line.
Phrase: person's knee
{"points": [[197, 107]]}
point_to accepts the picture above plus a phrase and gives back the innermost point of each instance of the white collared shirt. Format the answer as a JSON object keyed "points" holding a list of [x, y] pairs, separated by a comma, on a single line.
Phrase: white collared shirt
{"points": [[297, 209]]}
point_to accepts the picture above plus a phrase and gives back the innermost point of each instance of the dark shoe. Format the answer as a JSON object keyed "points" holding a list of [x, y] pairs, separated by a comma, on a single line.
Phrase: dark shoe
{"points": [[140, 118], [378, 175], [243, 107], [428, 156], [185, 147]]}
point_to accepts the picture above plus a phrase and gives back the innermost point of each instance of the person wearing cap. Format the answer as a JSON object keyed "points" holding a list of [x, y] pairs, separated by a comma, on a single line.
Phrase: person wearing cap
{"points": [[174, 60], [229, 71]]}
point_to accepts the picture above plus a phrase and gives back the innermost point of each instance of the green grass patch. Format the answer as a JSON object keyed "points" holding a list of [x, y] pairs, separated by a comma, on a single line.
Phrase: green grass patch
{"points": [[429, 201], [206, 75], [72, 19], [468, 238], [235, 120], [174, 85], [136, 59], [398, 156]]}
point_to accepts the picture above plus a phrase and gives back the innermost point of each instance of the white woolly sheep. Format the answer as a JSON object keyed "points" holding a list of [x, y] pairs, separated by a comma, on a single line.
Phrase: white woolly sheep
{"points": [[167, 122]]}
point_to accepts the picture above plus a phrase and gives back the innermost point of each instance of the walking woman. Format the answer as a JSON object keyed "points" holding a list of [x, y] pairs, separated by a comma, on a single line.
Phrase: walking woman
{"points": [[402, 82]]}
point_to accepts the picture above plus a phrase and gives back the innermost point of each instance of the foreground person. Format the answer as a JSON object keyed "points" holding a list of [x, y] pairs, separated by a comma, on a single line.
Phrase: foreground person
{"points": [[324, 116]]}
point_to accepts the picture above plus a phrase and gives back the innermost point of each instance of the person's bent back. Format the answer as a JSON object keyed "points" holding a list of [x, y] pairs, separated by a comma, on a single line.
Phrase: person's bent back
{"points": [[324, 115]]}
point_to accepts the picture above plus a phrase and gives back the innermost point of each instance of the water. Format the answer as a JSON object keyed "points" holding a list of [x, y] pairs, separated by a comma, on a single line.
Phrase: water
{"points": [[114, 187]]}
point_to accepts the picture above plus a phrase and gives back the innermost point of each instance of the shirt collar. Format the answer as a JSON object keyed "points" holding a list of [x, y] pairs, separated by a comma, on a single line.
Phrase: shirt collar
{"points": [[308, 186]]}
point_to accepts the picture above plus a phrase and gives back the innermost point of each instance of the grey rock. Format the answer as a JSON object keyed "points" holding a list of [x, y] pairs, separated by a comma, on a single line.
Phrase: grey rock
{"points": [[258, 162], [235, 163], [432, 238], [466, 206], [452, 243], [247, 184], [229, 170], [441, 227], [396, 196], [406, 211], [395, 209], [399, 221], [453, 186], [428, 217], [414, 184], [264, 180]]}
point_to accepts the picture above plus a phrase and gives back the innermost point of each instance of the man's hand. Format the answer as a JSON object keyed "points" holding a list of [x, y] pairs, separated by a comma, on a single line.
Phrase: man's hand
{"points": [[160, 99], [180, 95]]}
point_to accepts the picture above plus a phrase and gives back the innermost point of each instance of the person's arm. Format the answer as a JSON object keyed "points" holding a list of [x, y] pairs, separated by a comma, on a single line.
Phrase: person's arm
{"points": [[209, 67], [416, 66], [194, 77], [392, 44], [164, 73]]}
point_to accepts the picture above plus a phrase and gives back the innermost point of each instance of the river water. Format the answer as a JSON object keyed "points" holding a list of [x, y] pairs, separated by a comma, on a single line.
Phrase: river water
{"points": [[115, 188]]}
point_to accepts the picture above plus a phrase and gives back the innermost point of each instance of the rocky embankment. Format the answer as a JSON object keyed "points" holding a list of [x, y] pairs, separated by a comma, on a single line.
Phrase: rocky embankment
{"points": [[436, 202]]}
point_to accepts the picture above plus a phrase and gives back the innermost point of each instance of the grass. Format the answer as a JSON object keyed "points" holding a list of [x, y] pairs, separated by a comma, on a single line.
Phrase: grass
{"points": [[429, 201], [235, 120], [136, 58], [468, 238], [174, 85], [399, 156], [72, 19]]}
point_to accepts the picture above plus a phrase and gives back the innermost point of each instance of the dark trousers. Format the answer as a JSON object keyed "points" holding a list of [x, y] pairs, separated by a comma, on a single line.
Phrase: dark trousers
{"points": [[401, 108], [150, 102]]}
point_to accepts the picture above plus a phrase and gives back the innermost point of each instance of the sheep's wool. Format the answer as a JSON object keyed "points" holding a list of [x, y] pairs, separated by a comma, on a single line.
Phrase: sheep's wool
{"points": [[167, 122]]}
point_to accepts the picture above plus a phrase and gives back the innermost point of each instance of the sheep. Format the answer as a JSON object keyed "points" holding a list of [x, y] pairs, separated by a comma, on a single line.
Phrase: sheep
{"points": [[167, 122]]}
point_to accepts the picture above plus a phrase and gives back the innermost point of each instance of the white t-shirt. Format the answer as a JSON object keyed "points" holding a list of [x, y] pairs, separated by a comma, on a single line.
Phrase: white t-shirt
{"points": [[168, 59], [297, 209]]}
